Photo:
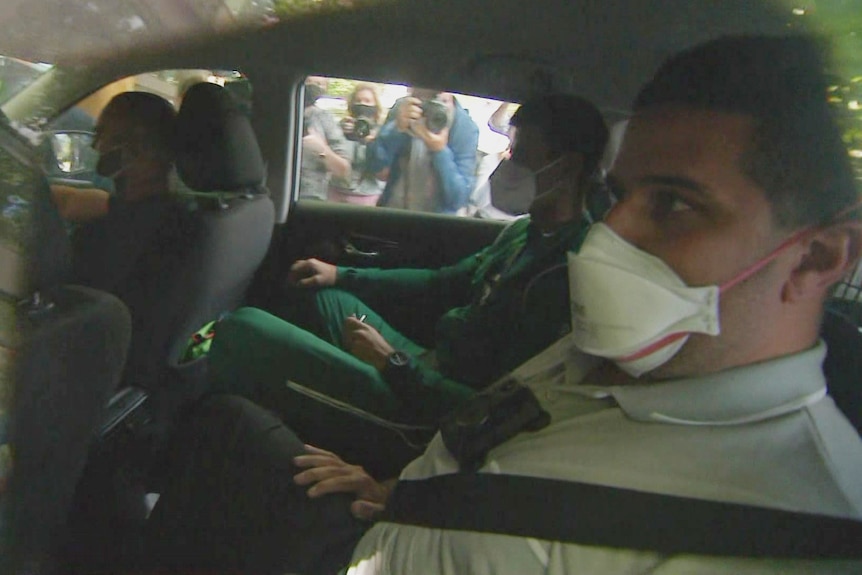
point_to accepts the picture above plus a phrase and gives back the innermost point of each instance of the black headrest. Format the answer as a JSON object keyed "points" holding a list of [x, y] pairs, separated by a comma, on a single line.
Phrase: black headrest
{"points": [[49, 253], [39, 253], [216, 147]]}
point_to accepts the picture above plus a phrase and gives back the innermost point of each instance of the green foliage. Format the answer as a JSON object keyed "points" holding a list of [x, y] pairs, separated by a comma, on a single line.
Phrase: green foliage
{"points": [[839, 21], [340, 88]]}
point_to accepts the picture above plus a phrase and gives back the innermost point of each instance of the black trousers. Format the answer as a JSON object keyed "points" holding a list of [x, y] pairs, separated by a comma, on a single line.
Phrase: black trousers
{"points": [[230, 505]]}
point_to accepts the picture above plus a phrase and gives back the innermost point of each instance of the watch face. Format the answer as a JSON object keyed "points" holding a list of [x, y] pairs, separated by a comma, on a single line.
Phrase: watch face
{"points": [[399, 359]]}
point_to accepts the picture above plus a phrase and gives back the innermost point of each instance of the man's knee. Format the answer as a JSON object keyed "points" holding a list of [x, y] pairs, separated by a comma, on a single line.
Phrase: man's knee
{"points": [[225, 410], [230, 426], [333, 298]]}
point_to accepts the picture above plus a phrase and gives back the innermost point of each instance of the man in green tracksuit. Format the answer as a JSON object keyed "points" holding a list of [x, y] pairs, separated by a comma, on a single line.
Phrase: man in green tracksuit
{"points": [[499, 307]]}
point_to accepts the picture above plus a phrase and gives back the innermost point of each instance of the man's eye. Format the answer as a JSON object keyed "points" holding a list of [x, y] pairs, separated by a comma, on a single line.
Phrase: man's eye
{"points": [[668, 203]]}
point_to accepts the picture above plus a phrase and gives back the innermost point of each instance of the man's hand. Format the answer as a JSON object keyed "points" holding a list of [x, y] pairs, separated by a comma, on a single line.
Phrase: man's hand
{"points": [[326, 473], [366, 343], [314, 143], [434, 142], [312, 273], [408, 114], [348, 123]]}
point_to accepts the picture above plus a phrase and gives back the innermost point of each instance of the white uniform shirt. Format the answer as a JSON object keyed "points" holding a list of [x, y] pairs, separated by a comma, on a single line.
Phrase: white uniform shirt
{"points": [[765, 434]]}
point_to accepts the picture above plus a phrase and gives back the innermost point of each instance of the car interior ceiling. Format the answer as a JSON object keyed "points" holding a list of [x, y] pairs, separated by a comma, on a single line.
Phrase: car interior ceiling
{"points": [[607, 71]]}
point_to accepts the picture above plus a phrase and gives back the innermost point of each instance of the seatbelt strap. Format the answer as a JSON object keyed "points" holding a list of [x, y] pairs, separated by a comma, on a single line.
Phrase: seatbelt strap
{"points": [[603, 516]]}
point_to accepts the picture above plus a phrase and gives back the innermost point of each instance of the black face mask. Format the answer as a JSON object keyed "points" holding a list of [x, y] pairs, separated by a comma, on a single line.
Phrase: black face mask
{"points": [[312, 93], [364, 111], [110, 163]]}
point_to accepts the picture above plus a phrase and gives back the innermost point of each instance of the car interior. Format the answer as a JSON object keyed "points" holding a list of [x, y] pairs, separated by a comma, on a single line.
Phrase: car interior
{"points": [[84, 496]]}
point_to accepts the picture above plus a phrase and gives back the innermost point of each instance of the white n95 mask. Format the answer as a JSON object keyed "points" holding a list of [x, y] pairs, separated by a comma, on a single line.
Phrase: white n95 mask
{"points": [[513, 185], [630, 306]]}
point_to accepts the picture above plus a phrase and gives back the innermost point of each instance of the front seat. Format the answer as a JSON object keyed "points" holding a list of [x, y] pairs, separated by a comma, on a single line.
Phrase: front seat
{"points": [[68, 347], [228, 235], [843, 363]]}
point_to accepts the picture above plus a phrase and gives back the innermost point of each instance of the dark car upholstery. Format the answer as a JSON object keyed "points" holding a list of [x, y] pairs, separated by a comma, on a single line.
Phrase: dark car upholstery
{"points": [[843, 364], [70, 347], [229, 229]]}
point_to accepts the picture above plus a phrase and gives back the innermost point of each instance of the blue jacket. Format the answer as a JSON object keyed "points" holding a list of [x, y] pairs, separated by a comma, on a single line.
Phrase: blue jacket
{"points": [[455, 164]]}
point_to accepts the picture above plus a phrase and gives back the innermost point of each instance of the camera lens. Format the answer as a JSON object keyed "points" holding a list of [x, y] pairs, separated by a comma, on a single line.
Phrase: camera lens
{"points": [[361, 128], [436, 115]]}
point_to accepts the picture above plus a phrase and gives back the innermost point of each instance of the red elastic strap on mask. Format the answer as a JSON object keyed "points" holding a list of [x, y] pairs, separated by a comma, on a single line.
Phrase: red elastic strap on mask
{"points": [[742, 276], [759, 265], [652, 348]]}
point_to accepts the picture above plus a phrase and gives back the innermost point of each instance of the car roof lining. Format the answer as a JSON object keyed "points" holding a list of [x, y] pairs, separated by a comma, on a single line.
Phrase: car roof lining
{"points": [[601, 50]]}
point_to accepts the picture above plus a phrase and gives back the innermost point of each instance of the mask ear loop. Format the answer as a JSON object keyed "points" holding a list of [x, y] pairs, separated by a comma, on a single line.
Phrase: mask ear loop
{"points": [[549, 165], [744, 275], [783, 246]]}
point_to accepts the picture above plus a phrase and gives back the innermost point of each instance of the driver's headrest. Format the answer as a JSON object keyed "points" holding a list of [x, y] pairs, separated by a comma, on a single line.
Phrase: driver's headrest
{"points": [[216, 147], [38, 256]]}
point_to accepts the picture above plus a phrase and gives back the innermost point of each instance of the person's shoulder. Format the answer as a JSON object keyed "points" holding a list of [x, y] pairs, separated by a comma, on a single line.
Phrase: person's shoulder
{"points": [[516, 229], [518, 226], [464, 121], [315, 114]]}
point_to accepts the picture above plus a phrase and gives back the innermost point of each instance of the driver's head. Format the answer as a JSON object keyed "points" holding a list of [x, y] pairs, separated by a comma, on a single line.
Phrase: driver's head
{"points": [[135, 137], [733, 150]]}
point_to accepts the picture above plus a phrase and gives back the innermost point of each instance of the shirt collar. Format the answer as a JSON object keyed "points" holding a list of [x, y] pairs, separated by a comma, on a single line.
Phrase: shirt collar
{"points": [[732, 397]]}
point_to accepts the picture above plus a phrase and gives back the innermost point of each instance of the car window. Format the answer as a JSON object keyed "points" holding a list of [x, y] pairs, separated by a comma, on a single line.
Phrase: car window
{"points": [[15, 75], [354, 149]]}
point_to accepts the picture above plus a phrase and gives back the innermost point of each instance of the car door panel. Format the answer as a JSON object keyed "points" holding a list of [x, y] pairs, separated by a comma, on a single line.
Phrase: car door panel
{"points": [[367, 237]]}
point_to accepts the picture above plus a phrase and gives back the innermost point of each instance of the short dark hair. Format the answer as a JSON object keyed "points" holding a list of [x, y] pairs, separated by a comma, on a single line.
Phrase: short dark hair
{"points": [[569, 124], [149, 121], [796, 154]]}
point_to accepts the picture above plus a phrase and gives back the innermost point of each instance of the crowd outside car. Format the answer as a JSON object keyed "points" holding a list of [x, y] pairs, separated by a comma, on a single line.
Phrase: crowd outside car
{"points": [[416, 168], [427, 155]]}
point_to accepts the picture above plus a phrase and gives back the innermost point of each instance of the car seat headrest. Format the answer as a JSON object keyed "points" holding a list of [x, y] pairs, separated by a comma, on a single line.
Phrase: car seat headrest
{"points": [[37, 254], [217, 150]]}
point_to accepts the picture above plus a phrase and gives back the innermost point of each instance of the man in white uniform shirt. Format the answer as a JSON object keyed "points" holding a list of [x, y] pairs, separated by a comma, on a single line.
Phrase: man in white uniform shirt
{"points": [[698, 301]]}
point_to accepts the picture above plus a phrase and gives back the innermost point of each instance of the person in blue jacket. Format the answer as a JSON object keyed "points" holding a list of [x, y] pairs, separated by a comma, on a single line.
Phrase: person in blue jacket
{"points": [[428, 145]]}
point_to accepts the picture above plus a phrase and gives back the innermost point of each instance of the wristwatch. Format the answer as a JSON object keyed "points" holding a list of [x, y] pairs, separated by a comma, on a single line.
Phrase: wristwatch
{"points": [[399, 368]]}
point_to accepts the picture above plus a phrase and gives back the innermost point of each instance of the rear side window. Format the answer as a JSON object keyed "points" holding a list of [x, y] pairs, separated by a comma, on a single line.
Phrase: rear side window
{"points": [[373, 144]]}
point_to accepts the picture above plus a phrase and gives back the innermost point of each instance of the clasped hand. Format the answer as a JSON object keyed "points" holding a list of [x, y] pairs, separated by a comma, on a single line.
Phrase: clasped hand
{"points": [[326, 473]]}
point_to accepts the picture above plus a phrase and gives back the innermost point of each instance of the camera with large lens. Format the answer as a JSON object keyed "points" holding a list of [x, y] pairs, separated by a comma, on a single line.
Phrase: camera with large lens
{"points": [[436, 114], [362, 128]]}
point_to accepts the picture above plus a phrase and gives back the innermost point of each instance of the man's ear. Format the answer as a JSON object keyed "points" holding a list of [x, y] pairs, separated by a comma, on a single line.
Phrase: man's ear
{"points": [[832, 253]]}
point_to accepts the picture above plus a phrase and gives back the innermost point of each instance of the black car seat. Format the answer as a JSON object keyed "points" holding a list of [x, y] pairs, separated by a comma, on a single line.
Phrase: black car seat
{"points": [[68, 347], [227, 236], [843, 363]]}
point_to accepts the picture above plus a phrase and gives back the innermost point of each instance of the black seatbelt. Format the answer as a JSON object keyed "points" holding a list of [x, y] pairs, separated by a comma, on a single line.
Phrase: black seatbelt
{"points": [[621, 518]]}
